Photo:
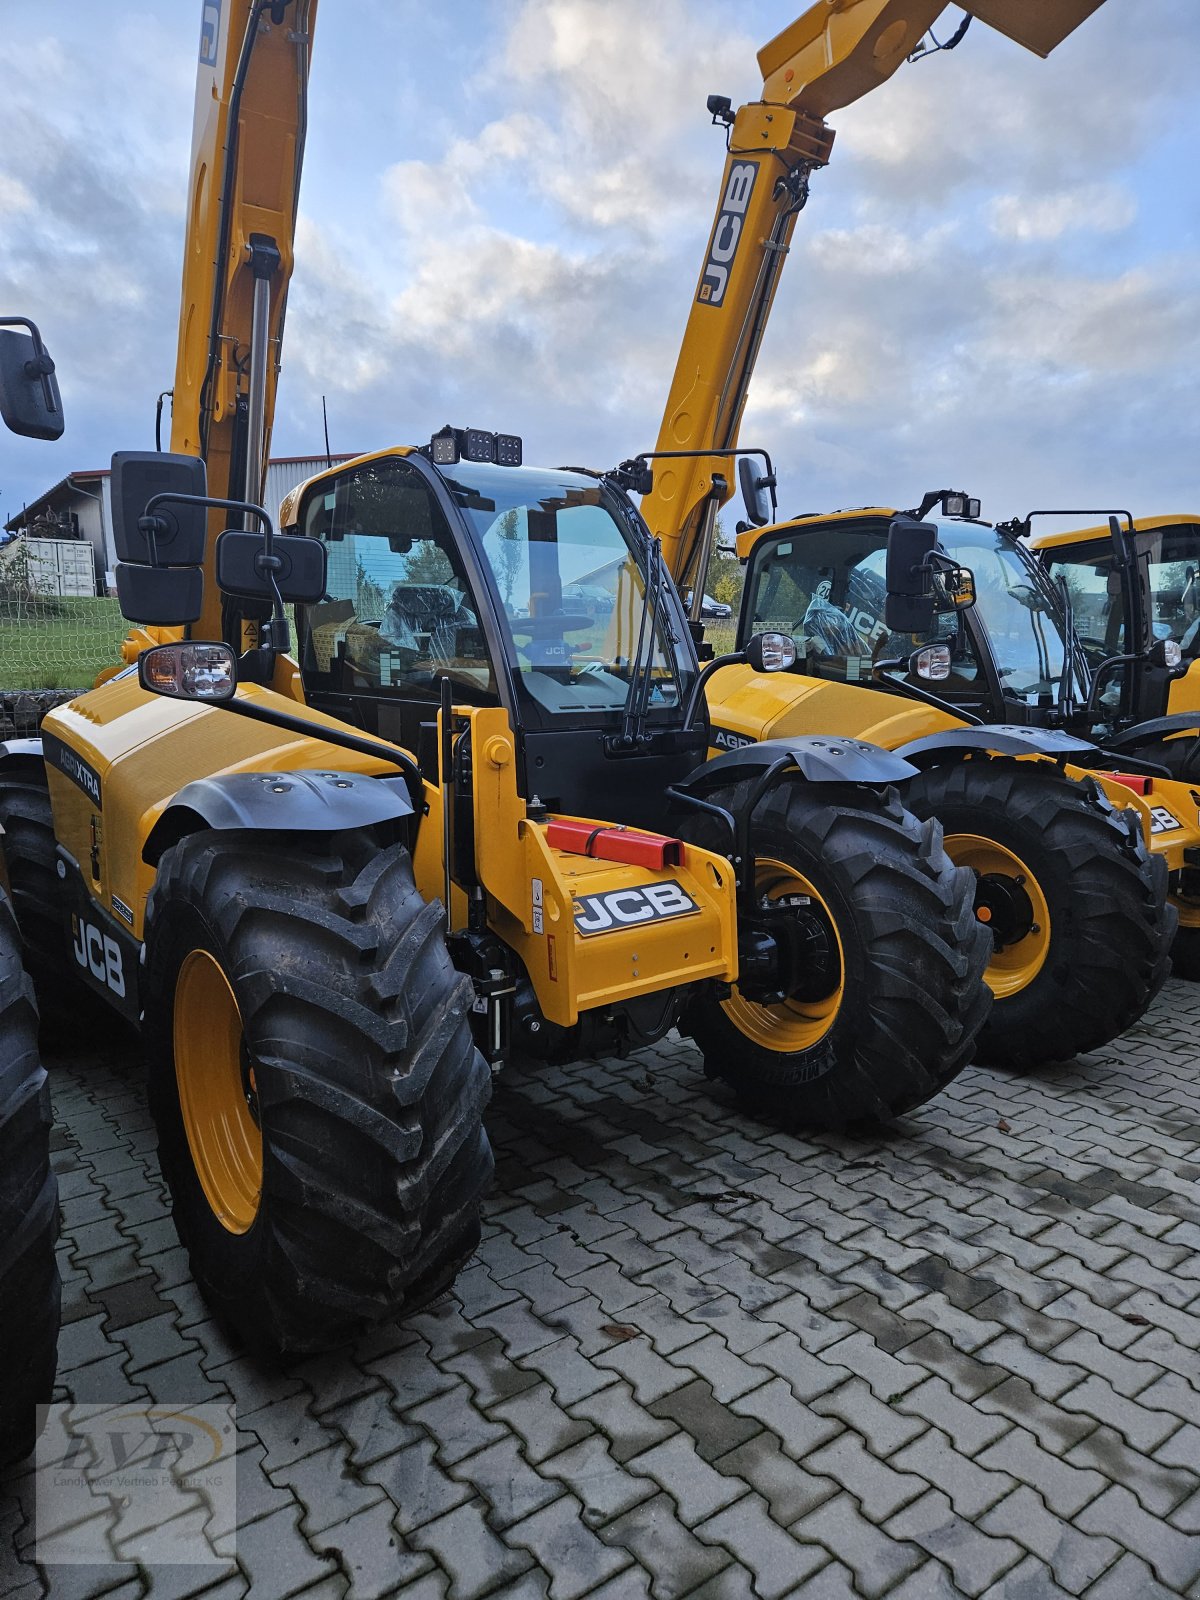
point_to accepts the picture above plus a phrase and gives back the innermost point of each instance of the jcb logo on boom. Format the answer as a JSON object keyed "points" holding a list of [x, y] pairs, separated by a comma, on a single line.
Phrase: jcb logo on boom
{"points": [[99, 954], [727, 233]]}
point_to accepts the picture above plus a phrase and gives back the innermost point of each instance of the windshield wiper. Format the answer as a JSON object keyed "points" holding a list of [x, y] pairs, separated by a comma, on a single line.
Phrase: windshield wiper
{"points": [[637, 701]]}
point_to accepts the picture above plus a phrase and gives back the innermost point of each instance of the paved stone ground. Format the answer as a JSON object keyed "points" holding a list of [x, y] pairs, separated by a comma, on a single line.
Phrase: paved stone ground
{"points": [[698, 1357]]}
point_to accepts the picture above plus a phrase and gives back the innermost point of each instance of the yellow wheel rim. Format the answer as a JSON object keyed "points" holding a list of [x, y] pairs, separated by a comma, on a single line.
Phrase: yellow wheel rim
{"points": [[215, 1084], [795, 1024], [1009, 900]]}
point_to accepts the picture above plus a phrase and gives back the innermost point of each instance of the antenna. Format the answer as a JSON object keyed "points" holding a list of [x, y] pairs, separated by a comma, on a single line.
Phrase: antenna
{"points": [[325, 420]]}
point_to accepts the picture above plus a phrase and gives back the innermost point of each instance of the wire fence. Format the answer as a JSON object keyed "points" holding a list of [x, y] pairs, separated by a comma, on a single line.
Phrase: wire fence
{"points": [[58, 643]]}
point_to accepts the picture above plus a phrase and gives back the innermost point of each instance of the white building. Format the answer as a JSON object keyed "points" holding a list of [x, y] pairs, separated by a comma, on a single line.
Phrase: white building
{"points": [[79, 506]]}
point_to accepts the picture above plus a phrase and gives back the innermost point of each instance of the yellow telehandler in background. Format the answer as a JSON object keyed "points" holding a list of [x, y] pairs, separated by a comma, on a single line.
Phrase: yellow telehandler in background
{"points": [[1067, 884], [336, 887]]}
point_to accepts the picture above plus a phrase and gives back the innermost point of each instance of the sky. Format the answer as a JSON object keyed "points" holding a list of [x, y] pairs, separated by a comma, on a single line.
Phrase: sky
{"points": [[505, 205]]}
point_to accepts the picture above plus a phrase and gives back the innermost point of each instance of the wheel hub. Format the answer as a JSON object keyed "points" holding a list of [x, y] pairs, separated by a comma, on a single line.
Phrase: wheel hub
{"points": [[1003, 906]]}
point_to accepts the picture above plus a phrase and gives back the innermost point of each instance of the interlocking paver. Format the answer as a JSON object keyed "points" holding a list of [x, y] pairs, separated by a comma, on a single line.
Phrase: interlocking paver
{"points": [[277, 1558], [1174, 1556], [971, 1487], [566, 1548], [715, 1429], [877, 1560], [1075, 1559], [778, 1561], [975, 1559], [696, 1488], [465, 1547], [675, 1559], [884, 1427], [879, 1489]]}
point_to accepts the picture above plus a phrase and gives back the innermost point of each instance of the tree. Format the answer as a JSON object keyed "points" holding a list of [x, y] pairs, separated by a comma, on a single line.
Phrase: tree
{"points": [[428, 563], [725, 572], [509, 553], [370, 599]]}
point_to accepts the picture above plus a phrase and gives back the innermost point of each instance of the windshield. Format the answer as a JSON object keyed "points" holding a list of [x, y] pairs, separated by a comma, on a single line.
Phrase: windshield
{"points": [[824, 585], [1023, 620], [1169, 566], [569, 576]]}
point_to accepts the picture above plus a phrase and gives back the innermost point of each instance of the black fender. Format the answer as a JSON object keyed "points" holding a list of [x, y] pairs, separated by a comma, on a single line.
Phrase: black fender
{"points": [[999, 739], [817, 758], [20, 750], [289, 802], [1152, 731]]}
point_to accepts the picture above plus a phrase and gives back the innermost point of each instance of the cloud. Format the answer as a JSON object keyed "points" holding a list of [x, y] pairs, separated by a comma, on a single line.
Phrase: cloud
{"points": [[505, 210], [1094, 208]]}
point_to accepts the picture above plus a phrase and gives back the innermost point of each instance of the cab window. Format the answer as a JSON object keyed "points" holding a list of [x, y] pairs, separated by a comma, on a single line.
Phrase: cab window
{"points": [[398, 614]]}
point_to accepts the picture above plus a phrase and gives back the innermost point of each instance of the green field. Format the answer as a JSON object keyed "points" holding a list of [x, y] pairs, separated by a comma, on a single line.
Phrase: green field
{"points": [[63, 650]]}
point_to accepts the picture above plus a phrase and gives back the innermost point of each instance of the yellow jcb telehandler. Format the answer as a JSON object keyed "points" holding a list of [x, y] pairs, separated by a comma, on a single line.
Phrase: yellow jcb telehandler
{"points": [[1071, 885]]}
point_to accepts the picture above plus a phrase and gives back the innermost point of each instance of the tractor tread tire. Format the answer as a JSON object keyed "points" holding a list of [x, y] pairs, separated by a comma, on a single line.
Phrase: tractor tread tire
{"points": [[915, 998], [370, 1088], [29, 1282], [70, 1010], [29, 849], [1111, 928]]}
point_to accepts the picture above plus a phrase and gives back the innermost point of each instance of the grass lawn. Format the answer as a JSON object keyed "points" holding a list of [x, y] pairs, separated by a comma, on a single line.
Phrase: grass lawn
{"points": [[63, 651]]}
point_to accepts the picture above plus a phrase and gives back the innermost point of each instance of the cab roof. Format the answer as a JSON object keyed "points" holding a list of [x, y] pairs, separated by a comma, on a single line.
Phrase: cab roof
{"points": [[1056, 541]]}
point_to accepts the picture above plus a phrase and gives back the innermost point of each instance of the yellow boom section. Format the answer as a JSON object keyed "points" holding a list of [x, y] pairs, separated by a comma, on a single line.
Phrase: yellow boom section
{"points": [[247, 153], [838, 51]]}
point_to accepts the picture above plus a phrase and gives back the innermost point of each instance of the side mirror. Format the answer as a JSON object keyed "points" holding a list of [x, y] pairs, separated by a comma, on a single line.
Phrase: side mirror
{"points": [[139, 475], [29, 399], [771, 652], [203, 672], [909, 607], [755, 492], [1166, 654], [954, 588], [169, 596], [299, 566]]}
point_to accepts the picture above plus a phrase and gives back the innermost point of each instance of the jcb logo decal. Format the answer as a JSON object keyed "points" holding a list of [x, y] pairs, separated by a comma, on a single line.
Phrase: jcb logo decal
{"points": [[626, 908], [98, 954], [727, 233], [1163, 821], [210, 27]]}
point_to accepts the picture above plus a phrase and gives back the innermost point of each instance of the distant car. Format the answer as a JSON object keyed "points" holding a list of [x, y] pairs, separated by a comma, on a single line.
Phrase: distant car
{"points": [[711, 610]]}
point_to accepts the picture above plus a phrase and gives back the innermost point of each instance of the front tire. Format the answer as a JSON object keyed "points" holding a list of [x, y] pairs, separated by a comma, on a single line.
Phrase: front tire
{"points": [[29, 1283], [890, 998], [316, 1090], [1076, 901]]}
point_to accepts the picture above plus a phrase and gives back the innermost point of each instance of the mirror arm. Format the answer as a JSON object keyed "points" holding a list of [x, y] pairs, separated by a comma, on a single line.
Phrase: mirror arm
{"points": [[1101, 672], [335, 736], [734, 658], [279, 635], [42, 366], [881, 675]]}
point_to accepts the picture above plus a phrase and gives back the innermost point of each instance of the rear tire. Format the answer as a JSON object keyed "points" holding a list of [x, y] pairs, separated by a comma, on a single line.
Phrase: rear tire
{"points": [[911, 998], [1181, 757], [1110, 928], [351, 1043], [29, 1283], [29, 849], [70, 1010]]}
